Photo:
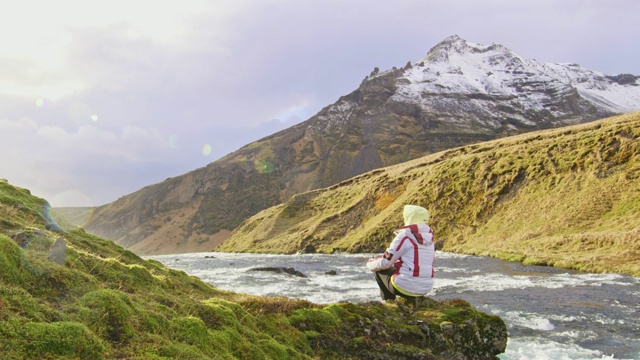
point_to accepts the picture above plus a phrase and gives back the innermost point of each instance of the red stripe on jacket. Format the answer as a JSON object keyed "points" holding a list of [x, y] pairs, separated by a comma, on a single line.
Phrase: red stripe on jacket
{"points": [[416, 262]]}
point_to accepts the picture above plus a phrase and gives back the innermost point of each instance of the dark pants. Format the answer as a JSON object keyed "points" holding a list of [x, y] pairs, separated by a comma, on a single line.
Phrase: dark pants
{"points": [[387, 291], [383, 278]]}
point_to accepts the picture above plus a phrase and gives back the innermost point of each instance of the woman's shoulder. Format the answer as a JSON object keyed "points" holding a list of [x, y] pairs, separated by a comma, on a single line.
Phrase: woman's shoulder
{"points": [[405, 230], [422, 229]]}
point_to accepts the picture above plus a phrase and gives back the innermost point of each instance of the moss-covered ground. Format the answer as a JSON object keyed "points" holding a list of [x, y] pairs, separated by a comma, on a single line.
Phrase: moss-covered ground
{"points": [[100, 301], [566, 197]]}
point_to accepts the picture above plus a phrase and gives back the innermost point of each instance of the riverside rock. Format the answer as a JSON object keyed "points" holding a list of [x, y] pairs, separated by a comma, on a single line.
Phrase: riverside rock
{"points": [[280, 270]]}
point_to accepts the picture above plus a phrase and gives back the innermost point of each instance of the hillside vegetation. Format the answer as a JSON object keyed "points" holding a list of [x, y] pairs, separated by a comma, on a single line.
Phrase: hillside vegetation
{"points": [[66, 294], [567, 197]]}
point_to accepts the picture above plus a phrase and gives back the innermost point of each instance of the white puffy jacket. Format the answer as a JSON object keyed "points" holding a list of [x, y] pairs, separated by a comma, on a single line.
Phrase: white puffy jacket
{"points": [[412, 252]]}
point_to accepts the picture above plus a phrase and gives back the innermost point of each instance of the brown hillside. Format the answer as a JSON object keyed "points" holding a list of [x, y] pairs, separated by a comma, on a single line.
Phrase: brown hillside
{"points": [[568, 198]]}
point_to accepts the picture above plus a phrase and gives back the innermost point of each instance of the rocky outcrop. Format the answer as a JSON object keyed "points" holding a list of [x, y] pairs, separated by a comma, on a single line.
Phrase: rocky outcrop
{"points": [[280, 270], [374, 332], [460, 93]]}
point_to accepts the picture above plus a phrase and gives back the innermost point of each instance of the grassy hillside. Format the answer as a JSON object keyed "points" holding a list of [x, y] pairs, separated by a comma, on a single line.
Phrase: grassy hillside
{"points": [[92, 299], [567, 197]]}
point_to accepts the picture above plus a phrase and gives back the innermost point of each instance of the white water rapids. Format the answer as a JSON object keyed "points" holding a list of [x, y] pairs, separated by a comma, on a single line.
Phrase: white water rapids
{"points": [[550, 313]]}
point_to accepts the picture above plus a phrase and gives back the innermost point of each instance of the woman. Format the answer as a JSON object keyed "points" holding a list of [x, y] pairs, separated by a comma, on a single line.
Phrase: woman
{"points": [[406, 268]]}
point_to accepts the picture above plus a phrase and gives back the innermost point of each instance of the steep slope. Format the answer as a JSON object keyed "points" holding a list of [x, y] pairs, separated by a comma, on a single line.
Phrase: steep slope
{"points": [[460, 93], [95, 300], [567, 197]]}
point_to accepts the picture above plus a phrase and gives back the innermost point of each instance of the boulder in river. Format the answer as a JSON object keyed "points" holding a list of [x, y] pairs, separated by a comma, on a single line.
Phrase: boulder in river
{"points": [[280, 270]]}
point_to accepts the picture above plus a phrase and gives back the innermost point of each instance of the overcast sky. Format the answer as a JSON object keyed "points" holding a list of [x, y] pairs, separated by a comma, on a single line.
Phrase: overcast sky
{"points": [[101, 98]]}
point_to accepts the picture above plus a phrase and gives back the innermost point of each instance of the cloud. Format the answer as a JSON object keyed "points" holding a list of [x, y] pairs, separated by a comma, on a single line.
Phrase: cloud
{"points": [[7, 125], [51, 160], [132, 144], [103, 98]]}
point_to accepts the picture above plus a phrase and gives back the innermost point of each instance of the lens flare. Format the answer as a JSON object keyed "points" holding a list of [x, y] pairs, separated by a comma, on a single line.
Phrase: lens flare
{"points": [[40, 103], [206, 150], [264, 166], [52, 219], [94, 117], [81, 213]]}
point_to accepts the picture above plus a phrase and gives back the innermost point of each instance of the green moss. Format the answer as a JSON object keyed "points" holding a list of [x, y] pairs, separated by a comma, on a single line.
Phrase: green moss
{"points": [[190, 330], [219, 313], [321, 320], [66, 339], [108, 314], [153, 321], [183, 351], [24, 338], [16, 301], [14, 265], [274, 350], [279, 328]]}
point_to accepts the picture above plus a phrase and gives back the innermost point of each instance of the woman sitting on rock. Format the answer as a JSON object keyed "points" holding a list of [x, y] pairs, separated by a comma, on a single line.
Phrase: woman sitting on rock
{"points": [[406, 267]]}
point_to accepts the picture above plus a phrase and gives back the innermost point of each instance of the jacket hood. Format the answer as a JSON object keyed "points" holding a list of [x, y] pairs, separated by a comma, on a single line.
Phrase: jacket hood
{"points": [[414, 214]]}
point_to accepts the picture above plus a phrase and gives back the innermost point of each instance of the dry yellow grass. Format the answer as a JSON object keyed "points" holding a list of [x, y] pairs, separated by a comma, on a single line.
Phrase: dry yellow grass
{"points": [[566, 197]]}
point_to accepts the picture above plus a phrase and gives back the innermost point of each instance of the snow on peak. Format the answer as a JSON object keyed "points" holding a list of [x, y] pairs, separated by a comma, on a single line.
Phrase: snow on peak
{"points": [[456, 46], [458, 66]]}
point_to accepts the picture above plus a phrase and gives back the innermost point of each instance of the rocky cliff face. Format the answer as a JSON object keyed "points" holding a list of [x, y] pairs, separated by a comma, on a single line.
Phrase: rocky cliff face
{"points": [[460, 93]]}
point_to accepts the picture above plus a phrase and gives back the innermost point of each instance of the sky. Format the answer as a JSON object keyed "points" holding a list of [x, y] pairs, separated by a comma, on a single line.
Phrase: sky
{"points": [[99, 99]]}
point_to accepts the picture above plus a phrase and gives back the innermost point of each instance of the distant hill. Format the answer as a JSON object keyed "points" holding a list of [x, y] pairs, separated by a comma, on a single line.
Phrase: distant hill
{"points": [[460, 93], [76, 215], [72, 295], [566, 197]]}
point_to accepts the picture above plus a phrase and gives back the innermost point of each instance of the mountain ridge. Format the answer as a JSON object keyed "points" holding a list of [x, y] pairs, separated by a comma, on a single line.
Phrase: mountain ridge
{"points": [[566, 197], [392, 117]]}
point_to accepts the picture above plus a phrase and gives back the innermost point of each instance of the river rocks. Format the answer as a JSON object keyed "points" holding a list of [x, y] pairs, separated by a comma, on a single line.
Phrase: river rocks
{"points": [[308, 249], [280, 270]]}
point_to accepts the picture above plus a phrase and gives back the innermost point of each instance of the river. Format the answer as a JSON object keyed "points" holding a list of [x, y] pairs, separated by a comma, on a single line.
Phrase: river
{"points": [[550, 313]]}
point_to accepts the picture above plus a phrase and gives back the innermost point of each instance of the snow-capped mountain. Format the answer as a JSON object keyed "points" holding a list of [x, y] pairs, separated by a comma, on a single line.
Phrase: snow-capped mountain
{"points": [[492, 87], [460, 67], [459, 93]]}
